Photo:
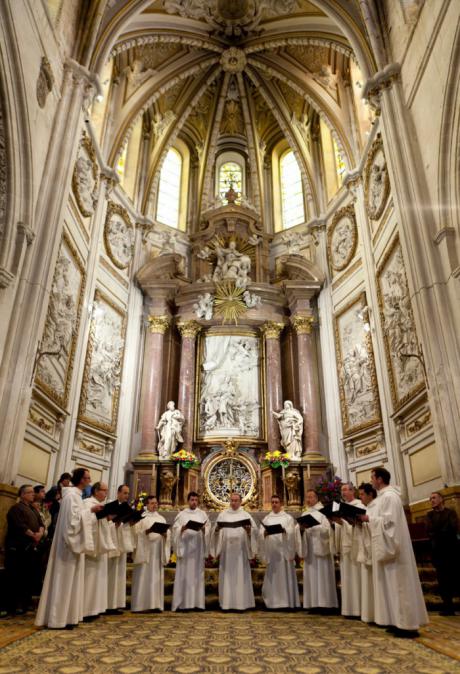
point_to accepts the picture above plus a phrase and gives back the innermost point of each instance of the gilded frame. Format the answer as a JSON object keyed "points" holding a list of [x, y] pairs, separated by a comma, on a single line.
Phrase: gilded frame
{"points": [[237, 332], [398, 401], [116, 209], [83, 416], [43, 386], [345, 212], [349, 428], [219, 457]]}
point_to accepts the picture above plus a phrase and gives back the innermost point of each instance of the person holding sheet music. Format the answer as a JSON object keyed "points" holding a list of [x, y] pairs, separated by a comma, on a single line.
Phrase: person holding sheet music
{"points": [[152, 543], [235, 542], [319, 590], [122, 540], [279, 540], [190, 541], [347, 543]]}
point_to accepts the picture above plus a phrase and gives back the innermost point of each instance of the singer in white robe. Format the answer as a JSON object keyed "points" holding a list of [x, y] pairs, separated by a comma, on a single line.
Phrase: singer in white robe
{"points": [[367, 495], [280, 589], [62, 598], [191, 549], [319, 587], [96, 563], [123, 544], [235, 547], [398, 597], [346, 544], [152, 554]]}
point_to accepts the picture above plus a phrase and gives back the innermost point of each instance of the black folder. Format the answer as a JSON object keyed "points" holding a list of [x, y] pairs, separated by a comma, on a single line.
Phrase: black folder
{"points": [[158, 528], [108, 509], [345, 511], [235, 524], [130, 517], [194, 525], [271, 529], [308, 521]]}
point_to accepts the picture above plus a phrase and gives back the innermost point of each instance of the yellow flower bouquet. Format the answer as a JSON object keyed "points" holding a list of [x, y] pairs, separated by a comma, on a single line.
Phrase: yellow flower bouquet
{"points": [[185, 459], [276, 459]]}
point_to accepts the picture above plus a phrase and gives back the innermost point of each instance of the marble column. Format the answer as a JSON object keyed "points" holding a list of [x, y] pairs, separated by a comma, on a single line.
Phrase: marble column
{"points": [[152, 382], [272, 331], [308, 383], [186, 398]]}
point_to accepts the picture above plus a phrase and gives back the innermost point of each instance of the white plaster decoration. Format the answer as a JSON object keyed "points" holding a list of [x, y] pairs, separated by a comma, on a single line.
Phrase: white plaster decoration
{"points": [[45, 81], [293, 242], [230, 395], [342, 238], [185, 40], [359, 396], [161, 123], [167, 242], [119, 235], [381, 80], [204, 307], [233, 60], [251, 300], [401, 342], [169, 430], [85, 180], [326, 77], [290, 422], [376, 182], [267, 44], [57, 347], [232, 265], [103, 365]]}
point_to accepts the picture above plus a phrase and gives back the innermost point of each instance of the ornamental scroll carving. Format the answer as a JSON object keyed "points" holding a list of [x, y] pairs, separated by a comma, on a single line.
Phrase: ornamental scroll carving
{"points": [[85, 181], [103, 365], [359, 397], [54, 368], [376, 181], [119, 236], [342, 238], [401, 342]]}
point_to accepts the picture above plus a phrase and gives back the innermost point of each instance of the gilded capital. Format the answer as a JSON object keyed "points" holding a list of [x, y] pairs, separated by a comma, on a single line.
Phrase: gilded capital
{"points": [[271, 329], [158, 324], [189, 328], [303, 325]]}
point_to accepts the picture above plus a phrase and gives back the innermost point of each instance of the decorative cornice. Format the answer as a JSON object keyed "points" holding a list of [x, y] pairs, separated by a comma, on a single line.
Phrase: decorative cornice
{"points": [[189, 329], [158, 324], [383, 79], [271, 329], [303, 325]]}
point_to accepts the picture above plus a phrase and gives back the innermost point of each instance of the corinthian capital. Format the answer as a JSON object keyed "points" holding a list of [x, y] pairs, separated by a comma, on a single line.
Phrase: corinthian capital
{"points": [[272, 330], [189, 328], [158, 324], [303, 325]]}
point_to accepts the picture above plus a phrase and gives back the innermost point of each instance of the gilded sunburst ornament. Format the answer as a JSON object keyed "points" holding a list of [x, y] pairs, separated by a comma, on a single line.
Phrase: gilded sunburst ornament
{"points": [[229, 302]]}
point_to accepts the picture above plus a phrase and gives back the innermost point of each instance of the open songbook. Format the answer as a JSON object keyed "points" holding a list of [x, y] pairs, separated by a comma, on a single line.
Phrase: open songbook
{"points": [[158, 528], [122, 512], [271, 529], [308, 521], [342, 510], [194, 525], [235, 524]]}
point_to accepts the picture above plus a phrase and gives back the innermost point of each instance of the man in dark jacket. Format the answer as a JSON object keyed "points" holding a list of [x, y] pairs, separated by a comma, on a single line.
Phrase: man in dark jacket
{"points": [[25, 530], [442, 526]]}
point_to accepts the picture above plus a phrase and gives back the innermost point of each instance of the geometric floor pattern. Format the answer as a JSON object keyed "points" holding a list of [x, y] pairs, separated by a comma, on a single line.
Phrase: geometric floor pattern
{"points": [[254, 642]]}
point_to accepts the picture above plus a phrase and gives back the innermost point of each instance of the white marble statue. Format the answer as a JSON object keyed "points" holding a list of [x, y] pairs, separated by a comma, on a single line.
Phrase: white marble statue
{"points": [[204, 307], [251, 300], [233, 265], [169, 430], [167, 243], [291, 428]]}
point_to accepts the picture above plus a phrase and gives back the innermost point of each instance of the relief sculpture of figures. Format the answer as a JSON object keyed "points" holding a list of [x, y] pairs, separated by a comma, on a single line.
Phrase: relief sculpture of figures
{"points": [[291, 428], [233, 265], [169, 430]]}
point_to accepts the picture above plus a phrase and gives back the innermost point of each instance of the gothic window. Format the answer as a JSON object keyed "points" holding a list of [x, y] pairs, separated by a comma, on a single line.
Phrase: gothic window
{"points": [[292, 206], [169, 192], [230, 175]]}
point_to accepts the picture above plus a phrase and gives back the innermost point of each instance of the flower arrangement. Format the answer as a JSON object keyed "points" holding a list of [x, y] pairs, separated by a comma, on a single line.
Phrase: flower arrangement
{"points": [[276, 459], [185, 459], [139, 502], [329, 489]]}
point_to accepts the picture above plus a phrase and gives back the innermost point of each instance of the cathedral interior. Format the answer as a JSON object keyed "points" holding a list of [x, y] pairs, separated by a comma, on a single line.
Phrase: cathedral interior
{"points": [[243, 216]]}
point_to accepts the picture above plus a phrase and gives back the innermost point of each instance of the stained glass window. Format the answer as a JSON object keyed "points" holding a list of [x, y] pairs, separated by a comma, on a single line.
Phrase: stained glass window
{"points": [[230, 175], [169, 190], [292, 208]]}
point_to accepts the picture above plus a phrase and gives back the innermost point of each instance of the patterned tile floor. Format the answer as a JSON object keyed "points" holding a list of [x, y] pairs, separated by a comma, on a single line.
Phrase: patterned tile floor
{"points": [[255, 642]]}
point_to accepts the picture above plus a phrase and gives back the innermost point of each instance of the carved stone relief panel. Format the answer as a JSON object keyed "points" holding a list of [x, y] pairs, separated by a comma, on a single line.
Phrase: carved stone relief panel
{"points": [[85, 180], [103, 365], [119, 235], [401, 343], [376, 181], [359, 396], [57, 348], [342, 238]]}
